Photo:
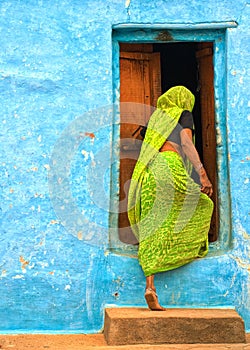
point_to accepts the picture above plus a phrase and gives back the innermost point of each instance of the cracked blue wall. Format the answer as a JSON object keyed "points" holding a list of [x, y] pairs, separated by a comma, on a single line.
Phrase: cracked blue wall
{"points": [[57, 272]]}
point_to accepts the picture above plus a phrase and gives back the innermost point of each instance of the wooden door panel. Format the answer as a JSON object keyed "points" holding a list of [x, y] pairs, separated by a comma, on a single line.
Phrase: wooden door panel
{"points": [[140, 86], [206, 78]]}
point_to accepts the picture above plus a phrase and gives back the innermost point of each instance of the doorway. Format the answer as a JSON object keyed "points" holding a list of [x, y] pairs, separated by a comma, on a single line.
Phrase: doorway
{"points": [[147, 71]]}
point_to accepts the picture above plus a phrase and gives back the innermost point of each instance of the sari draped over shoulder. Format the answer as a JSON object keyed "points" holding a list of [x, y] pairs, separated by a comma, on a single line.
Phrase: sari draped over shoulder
{"points": [[167, 212]]}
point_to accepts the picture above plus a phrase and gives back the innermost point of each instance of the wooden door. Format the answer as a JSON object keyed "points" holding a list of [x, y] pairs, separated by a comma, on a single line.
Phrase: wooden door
{"points": [[140, 87], [204, 57]]}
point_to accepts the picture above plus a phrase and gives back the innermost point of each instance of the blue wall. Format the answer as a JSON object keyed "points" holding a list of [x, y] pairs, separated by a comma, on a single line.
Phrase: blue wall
{"points": [[57, 85]]}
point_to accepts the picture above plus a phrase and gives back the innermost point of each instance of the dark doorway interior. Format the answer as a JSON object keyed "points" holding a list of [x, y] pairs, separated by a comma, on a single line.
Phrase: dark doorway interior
{"points": [[179, 67]]}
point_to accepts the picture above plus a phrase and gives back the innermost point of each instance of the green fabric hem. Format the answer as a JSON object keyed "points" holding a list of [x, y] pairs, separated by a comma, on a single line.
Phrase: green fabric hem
{"points": [[155, 271]]}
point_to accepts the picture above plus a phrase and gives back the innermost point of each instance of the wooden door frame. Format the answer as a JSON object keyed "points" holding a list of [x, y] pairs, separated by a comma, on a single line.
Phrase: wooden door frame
{"points": [[218, 37]]}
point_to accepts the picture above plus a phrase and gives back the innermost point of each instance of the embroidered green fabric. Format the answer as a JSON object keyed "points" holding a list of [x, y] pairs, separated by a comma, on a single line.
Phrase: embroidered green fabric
{"points": [[167, 211], [175, 216]]}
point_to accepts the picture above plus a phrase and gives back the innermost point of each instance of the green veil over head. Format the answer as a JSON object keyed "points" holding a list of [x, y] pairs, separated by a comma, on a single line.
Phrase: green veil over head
{"points": [[162, 122]]}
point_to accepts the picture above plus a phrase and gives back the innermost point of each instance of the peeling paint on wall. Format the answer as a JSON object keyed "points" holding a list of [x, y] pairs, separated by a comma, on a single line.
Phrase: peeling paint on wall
{"points": [[24, 263]]}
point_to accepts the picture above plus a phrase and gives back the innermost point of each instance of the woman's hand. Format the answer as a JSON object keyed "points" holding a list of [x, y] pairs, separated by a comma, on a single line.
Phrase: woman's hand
{"points": [[192, 154], [206, 186]]}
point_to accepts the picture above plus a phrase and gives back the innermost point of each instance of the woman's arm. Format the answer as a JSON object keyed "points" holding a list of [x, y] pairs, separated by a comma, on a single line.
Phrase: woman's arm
{"points": [[192, 154]]}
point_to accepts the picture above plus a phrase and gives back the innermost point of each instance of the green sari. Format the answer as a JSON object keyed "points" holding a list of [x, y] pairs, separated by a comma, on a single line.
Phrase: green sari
{"points": [[168, 214]]}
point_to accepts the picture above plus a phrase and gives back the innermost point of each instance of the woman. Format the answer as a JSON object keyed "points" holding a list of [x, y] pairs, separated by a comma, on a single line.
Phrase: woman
{"points": [[169, 213]]}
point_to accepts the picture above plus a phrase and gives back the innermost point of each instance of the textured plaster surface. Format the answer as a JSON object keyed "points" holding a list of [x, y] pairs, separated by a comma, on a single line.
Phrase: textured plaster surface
{"points": [[57, 272]]}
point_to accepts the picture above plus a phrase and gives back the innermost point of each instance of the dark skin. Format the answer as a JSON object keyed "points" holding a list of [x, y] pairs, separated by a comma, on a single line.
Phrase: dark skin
{"points": [[187, 148], [206, 186]]}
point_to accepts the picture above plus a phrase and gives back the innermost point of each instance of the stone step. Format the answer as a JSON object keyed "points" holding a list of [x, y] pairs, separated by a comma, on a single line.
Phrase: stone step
{"points": [[124, 326]]}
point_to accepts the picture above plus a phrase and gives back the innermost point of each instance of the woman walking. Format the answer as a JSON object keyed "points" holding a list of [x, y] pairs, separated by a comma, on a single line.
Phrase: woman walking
{"points": [[169, 213]]}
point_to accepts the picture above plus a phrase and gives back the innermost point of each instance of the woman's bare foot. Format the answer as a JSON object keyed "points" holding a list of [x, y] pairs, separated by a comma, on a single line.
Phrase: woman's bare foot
{"points": [[152, 300]]}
